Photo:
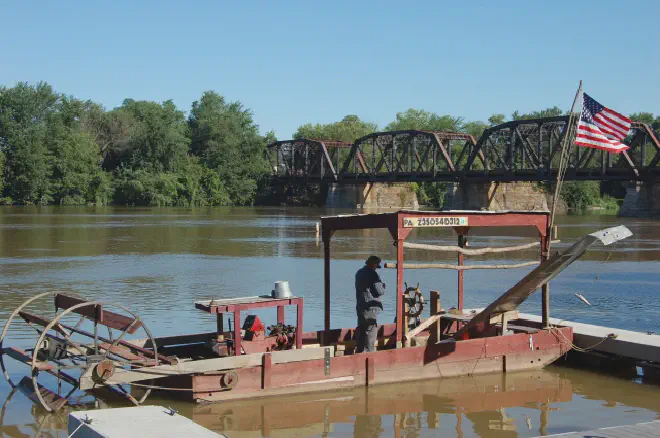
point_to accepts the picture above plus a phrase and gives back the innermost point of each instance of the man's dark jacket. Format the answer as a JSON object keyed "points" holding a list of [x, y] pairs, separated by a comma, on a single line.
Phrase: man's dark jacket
{"points": [[368, 290]]}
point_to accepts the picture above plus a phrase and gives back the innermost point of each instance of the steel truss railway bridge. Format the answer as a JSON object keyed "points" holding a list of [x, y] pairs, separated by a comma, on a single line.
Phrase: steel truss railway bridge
{"points": [[522, 150]]}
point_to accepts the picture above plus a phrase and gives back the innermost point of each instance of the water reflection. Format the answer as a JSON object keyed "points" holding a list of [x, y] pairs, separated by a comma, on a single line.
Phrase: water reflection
{"points": [[526, 404], [508, 405]]}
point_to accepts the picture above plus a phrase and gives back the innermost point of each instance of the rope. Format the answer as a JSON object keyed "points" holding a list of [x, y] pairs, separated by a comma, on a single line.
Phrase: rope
{"points": [[457, 267], [555, 331], [76, 429], [602, 266], [474, 251]]}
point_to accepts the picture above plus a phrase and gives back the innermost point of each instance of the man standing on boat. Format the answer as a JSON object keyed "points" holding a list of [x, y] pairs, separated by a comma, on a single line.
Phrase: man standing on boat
{"points": [[368, 290]]}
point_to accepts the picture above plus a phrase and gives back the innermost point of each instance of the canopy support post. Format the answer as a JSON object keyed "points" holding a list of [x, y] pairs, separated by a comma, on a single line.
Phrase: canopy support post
{"points": [[399, 293], [326, 278], [545, 289], [461, 244]]}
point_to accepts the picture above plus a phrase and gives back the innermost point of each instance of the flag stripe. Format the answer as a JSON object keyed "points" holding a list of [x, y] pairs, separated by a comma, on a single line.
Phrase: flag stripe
{"points": [[598, 139], [618, 117], [599, 145], [609, 134], [611, 124], [589, 133]]}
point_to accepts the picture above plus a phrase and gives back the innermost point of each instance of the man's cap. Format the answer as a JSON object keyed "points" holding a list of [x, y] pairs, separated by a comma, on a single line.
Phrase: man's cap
{"points": [[373, 260]]}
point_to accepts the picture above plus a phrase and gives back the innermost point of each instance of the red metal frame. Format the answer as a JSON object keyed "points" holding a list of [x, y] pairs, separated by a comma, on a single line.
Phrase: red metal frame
{"points": [[236, 309], [520, 351], [536, 221]]}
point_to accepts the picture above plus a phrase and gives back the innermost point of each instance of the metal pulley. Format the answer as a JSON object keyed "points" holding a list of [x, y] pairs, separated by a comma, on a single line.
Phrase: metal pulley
{"points": [[229, 379]]}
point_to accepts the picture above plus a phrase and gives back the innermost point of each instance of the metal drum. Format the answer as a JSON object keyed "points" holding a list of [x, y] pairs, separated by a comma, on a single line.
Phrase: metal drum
{"points": [[281, 290]]}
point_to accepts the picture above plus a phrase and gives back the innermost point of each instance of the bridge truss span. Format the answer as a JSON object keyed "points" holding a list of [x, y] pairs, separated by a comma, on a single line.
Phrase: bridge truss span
{"points": [[521, 150]]}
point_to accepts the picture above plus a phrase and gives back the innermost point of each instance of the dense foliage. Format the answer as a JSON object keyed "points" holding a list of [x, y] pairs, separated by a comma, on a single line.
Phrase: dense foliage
{"points": [[56, 149], [349, 129], [62, 150]]}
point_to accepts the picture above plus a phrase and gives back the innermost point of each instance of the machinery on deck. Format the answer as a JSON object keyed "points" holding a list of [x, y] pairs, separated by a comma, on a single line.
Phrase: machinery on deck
{"points": [[83, 341]]}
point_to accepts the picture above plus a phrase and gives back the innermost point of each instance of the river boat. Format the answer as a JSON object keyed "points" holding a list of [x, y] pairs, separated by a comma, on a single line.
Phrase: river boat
{"points": [[100, 348]]}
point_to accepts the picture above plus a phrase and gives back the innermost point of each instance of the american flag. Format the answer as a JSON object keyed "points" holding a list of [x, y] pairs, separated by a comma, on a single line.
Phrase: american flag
{"points": [[601, 128]]}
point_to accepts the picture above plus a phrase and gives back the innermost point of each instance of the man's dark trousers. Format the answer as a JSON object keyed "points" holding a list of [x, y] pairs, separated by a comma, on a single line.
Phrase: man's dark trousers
{"points": [[367, 332]]}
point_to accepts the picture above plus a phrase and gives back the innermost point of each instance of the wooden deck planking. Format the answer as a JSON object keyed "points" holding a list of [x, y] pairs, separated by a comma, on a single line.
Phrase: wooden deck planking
{"points": [[641, 430]]}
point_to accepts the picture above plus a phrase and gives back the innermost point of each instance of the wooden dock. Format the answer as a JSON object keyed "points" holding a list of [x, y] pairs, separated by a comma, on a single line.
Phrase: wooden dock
{"points": [[142, 421], [641, 430], [627, 344]]}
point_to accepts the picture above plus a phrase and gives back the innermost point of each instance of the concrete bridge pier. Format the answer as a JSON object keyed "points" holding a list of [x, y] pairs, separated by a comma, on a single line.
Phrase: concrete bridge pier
{"points": [[642, 199], [371, 195], [524, 196]]}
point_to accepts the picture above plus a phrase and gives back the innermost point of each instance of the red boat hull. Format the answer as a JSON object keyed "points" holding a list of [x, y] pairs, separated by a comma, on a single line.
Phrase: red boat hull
{"points": [[516, 352]]}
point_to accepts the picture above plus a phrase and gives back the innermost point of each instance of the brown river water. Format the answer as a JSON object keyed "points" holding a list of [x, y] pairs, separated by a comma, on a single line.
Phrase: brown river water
{"points": [[157, 262]]}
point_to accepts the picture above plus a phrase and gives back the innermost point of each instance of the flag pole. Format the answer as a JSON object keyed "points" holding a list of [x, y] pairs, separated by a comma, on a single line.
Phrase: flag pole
{"points": [[564, 159], [561, 173]]}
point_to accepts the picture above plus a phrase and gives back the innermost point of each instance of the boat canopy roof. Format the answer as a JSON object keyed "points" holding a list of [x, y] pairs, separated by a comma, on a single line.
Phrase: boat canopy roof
{"points": [[465, 222]]}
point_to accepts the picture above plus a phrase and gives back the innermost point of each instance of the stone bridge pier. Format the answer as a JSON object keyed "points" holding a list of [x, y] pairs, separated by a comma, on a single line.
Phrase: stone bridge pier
{"points": [[642, 199], [523, 196], [371, 195]]}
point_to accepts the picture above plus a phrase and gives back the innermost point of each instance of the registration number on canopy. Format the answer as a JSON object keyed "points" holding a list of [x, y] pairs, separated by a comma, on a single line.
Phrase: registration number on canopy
{"points": [[445, 221]]}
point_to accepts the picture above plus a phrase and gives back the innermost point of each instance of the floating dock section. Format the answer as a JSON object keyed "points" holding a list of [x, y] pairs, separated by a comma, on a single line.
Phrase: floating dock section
{"points": [[605, 347], [641, 430], [142, 421], [609, 346]]}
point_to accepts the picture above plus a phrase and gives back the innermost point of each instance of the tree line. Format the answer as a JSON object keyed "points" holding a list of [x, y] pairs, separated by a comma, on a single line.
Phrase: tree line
{"points": [[57, 149]]}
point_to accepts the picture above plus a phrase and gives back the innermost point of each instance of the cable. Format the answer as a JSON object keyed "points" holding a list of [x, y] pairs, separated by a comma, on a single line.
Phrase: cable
{"points": [[83, 422], [555, 331]]}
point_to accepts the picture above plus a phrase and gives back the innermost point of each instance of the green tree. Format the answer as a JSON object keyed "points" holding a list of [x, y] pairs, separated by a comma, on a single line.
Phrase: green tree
{"points": [[425, 121], [24, 113], [2, 170], [76, 177], [496, 119], [475, 128], [349, 129], [227, 140], [193, 185], [579, 195], [151, 135], [548, 112]]}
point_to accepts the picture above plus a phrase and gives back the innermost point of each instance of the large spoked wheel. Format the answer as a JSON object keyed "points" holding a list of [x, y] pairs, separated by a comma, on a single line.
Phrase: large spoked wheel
{"points": [[39, 301], [85, 341], [415, 300]]}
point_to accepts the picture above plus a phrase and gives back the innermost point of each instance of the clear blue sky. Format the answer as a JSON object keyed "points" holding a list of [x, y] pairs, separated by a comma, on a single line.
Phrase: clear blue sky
{"points": [[312, 61]]}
